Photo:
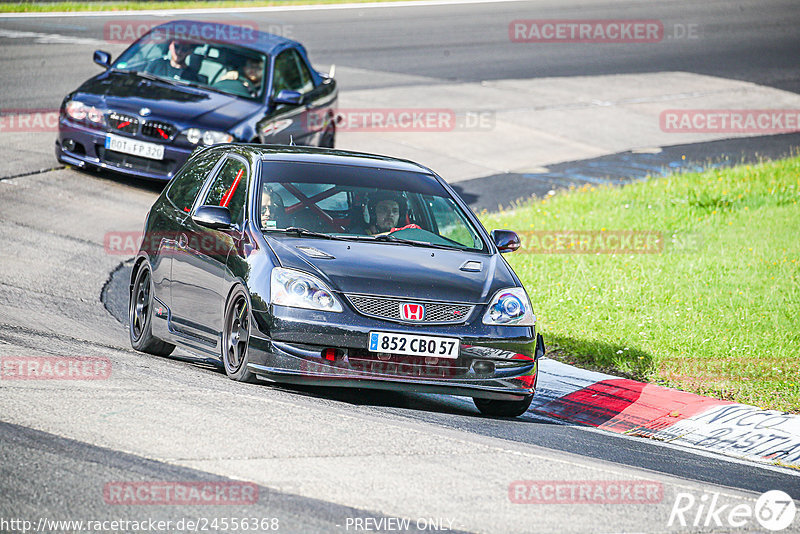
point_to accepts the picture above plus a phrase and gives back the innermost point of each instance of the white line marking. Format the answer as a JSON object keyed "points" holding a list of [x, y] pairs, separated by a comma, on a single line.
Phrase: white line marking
{"points": [[265, 9], [49, 38]]}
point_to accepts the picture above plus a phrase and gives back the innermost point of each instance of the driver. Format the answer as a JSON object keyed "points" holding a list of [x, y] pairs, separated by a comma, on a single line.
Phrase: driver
{"points": [[385, 210], [175, 66]]}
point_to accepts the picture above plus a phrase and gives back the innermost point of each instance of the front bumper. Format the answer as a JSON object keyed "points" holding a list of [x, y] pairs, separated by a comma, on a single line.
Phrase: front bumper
{"points": [[82, 146], [493, 363]]}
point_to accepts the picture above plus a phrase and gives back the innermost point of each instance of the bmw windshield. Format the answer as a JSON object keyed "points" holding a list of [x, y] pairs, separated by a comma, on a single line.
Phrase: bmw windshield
{"points": [[224, 68], [350, 202]]}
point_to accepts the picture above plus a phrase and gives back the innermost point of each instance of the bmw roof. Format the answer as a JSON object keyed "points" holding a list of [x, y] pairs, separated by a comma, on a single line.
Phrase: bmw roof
{"points": [[246, 35]]}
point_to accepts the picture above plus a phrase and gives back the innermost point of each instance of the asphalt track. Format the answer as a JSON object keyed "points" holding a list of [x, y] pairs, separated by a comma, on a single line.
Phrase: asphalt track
{"points": [[322, 456]]}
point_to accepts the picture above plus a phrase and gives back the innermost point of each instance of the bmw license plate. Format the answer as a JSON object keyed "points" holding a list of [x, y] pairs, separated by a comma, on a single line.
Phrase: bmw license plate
{"points": [[134, 148], [437, 347]]}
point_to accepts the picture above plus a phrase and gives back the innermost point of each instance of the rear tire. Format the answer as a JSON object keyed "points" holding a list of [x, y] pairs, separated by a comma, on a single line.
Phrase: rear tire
{"points": [[236, 337], [140, 308], [502, 408]]}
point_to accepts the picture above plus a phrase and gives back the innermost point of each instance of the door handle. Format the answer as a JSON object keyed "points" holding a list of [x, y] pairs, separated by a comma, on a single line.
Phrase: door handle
{"points": [[182, 241]]}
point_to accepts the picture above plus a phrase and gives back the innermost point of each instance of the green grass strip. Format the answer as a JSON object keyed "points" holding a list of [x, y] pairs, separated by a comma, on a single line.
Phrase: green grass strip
{"points": [[46, 7], [716, 310]]}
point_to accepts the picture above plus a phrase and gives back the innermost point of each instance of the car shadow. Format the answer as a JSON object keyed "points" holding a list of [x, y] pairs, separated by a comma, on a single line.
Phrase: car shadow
{"points": [[155, 186]]}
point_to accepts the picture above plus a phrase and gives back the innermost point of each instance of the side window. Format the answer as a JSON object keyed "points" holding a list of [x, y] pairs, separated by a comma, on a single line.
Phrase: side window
{"points": [[229, 189], [291, 74], [305, 76], [184, 188]]}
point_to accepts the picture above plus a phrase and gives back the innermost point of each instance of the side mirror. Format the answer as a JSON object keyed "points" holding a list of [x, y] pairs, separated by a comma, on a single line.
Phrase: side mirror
{"points": [[506, 240], [292, 98], [102, 58], [216, 217]]}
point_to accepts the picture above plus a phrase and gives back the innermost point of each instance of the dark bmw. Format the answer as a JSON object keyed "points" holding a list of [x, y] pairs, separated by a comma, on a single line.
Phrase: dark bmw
{"points": [[187, 84], [325, 267]]}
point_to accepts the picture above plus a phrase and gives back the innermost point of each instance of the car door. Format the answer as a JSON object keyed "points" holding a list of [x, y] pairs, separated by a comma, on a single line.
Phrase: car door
{"points": [[287, 122], [169, 216], [198, 269]]}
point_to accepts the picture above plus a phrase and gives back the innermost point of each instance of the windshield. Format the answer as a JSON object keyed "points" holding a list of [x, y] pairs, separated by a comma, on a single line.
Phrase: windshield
{"points": [[222, 67], [363, 203]]}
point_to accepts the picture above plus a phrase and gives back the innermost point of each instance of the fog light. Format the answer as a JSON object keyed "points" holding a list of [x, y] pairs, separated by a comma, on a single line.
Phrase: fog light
{"points": [[483, 367], [69, 145], [334, 355]]}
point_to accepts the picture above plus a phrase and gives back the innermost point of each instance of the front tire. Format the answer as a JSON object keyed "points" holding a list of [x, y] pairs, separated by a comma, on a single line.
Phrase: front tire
{"points": [[502, 408], [236, 337], [140, 318]]}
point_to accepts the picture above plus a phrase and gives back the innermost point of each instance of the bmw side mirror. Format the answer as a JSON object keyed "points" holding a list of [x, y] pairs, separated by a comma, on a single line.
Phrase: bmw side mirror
{"points": [[102, 58], [216, 217], [506, 240], [292, 98]]}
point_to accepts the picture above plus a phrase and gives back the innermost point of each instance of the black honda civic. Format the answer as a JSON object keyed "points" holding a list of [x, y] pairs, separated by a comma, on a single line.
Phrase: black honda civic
{"points": [[333, 268]]}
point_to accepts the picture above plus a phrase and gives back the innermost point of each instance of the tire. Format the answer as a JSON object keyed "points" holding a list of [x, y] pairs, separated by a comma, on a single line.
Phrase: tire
{"points": [[236, 337], [328, 139], [501, 408], [140, 316]]}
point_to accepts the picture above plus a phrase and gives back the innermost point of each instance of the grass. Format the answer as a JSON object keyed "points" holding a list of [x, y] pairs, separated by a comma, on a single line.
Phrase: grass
{"points": [[44, 7], [716, 312]]}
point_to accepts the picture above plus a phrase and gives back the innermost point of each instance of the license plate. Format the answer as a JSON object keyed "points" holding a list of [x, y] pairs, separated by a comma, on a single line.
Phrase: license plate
{"points": [[134, 148], [436, 347]]}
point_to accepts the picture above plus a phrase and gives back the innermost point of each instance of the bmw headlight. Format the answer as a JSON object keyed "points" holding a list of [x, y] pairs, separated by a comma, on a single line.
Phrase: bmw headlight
{"points": [[81, 112], [510, 307], [300, 290], [209, 137]]}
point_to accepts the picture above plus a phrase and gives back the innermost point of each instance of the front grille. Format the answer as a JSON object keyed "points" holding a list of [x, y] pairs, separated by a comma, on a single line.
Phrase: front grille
{"points": [[123, 123], [389, 309], [128, 161], [407, 366], [158, 130]]}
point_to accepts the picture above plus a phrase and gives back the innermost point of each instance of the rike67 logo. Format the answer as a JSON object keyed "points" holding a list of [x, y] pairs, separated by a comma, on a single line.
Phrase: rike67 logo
{"points": [[774, 510]]}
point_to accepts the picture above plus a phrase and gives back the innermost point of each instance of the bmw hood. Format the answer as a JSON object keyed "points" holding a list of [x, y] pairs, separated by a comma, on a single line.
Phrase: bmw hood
{"points": [[127, 92], [396, 270]]}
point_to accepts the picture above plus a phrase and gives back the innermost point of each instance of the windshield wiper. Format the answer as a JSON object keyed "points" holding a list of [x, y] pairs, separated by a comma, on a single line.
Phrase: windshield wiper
{"points": [[389, 238], [304, 232], [153, 77]]}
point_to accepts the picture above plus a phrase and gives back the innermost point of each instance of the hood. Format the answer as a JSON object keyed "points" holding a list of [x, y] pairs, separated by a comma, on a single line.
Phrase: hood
{"points": [[396, 270], [125, 92]]}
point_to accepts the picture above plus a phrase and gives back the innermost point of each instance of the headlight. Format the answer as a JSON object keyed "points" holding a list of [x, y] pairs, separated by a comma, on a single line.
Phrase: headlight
{"points": [[300, 290], [81, 112], [510, 306], [209, 137]]}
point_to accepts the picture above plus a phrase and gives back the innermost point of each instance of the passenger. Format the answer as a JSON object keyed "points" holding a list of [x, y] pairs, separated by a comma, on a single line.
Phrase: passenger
{"points": [[273, 211], [175, 66], [251, 75]]}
